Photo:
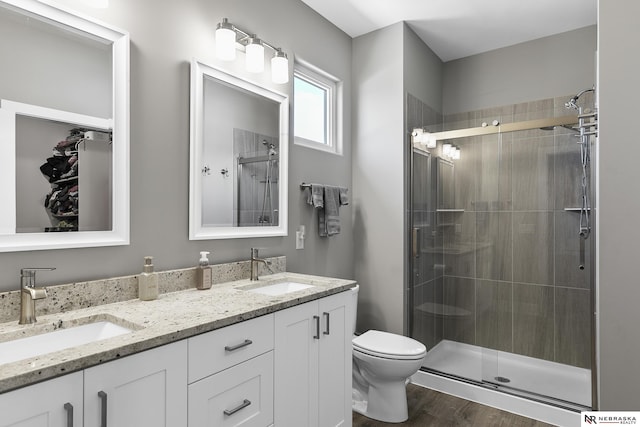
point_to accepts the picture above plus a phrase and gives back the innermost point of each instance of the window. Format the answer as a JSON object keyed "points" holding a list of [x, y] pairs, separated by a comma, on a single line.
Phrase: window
{"points": [[316, 107]]}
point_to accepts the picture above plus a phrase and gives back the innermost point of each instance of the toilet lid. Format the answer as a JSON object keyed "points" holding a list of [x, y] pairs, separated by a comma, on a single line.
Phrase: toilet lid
{"points": [[391, 346]]}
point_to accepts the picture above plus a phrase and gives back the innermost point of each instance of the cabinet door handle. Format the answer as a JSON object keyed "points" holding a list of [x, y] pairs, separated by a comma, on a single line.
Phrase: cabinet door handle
{"points": [[244, 404], [69, 408], [237, 346], [326, 316], [103, 408], [317, 335]]}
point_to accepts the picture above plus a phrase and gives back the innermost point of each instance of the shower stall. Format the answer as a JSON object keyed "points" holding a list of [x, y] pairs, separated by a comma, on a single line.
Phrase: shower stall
{"points": [[501, 246], [256, 195]]}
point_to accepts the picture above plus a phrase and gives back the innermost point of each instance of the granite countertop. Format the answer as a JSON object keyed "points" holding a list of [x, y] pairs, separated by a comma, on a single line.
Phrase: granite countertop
{"points": [[172, 317]]}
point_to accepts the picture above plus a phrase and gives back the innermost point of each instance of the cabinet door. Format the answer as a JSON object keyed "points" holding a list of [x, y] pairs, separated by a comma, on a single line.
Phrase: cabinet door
{"points": [[335, 361], [147, 389], [53, 403], [296, 366]]}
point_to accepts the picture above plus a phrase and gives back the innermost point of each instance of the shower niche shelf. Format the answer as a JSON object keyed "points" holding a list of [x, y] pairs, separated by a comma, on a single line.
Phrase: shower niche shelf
{"points": [[450, 210], [575, 209]]}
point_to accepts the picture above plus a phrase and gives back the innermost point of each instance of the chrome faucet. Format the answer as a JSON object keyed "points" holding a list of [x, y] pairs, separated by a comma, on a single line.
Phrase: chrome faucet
{"points": [[254, 263], [29, 293]]}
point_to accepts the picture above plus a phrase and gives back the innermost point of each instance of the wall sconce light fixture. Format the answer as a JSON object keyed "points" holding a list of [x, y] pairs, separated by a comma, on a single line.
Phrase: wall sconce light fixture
{"points": [[228, 36]]}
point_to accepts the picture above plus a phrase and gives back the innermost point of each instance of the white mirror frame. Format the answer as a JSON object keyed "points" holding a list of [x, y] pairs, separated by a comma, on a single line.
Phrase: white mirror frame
{"points": [[119, 40], [196, 230]]}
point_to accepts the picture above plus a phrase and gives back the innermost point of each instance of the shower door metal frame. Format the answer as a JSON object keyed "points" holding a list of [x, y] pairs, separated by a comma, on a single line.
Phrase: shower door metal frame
{"points": [[413, 237], [568, 120], [501, 128]]}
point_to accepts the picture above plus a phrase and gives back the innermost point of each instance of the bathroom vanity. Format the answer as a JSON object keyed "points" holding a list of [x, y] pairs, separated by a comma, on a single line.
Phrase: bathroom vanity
{"points": [[242, 353]]}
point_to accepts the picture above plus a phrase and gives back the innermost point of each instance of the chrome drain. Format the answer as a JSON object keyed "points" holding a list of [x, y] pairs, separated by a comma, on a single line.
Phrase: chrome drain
{"points": [[502, 380]]}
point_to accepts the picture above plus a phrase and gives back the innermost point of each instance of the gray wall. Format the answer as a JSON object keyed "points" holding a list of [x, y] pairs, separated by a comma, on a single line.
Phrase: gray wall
{"points": [[165, 36], [383, 73], [618, 205], [423, 71], [378, 178], [539, 69]]}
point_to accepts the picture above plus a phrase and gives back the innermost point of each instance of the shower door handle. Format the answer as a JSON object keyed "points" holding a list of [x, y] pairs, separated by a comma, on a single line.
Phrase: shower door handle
{"points": [[415, 242]]}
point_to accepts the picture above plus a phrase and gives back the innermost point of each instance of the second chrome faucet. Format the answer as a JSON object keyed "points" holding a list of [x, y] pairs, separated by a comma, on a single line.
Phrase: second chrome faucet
{"points": [[255, 262]]}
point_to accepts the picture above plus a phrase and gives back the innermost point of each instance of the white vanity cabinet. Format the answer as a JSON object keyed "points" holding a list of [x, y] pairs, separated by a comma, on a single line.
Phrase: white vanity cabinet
{"points": [[53, 403], [313, 363], [147, 389], [291, 368], [231, 375]]}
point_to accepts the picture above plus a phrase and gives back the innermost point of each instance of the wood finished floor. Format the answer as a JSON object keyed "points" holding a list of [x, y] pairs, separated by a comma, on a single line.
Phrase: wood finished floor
{"points": [[429, 408]]}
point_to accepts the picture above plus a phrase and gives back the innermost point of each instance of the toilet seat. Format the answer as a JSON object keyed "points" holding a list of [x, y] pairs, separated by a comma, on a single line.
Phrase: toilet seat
{"points": [[389, 346]]}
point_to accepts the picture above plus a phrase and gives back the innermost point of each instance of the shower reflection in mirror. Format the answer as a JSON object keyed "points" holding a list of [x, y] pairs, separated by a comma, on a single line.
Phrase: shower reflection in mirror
{"points": [[256, 172]]}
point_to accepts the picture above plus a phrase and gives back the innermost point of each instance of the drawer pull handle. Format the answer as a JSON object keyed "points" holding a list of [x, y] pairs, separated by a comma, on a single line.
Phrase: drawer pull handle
{"points": [[69, 408], [244, 404], [103, 410], [237, 346], [326, 315], [317, 335]]}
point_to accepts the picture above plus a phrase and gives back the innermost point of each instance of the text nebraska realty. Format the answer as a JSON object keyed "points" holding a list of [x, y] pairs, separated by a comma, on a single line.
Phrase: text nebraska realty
{"points": [[610, 419]]}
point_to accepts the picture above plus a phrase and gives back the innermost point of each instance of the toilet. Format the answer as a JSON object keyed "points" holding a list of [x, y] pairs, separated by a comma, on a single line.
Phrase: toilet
{"points": [[382, 365]]}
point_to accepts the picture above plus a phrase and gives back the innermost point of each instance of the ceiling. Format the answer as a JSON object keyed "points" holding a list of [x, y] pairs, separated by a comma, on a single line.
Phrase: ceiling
{"points": [[457, 28]]}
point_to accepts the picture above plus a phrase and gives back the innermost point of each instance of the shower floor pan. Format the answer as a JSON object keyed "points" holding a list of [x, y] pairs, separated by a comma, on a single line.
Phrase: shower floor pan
{"points": [[519, 373]]}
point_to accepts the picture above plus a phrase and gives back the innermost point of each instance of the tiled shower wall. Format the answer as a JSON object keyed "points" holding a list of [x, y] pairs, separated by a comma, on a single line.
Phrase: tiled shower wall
{"points": [[499, 268]]}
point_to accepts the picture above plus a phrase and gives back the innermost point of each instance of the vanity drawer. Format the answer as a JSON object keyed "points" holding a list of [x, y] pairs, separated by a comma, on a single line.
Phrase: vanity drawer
{"points": [[239, 396], [220, 349]]}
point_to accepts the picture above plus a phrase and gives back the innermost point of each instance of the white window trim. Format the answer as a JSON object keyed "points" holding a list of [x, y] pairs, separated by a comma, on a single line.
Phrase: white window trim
{"points": [[333, 86]]}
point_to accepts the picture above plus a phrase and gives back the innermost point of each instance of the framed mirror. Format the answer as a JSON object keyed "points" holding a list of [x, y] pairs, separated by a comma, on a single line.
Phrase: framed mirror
{"points": [[239, 157], [64, 129]]}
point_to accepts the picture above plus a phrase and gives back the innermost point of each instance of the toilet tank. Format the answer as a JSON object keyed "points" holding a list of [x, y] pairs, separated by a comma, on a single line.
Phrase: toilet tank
{"points": [[354, 301]]}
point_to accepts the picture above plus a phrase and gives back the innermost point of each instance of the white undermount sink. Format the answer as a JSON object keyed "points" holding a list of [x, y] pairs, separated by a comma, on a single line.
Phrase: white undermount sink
{"points": [[48, 342], [278, 288]]}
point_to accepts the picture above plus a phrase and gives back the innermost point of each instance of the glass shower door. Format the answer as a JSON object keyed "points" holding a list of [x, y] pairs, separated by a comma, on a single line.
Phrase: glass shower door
{"points": [[539, 298], [497, 293]]}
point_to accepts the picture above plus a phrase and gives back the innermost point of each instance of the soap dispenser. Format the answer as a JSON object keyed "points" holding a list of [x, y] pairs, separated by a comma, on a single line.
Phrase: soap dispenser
{"points": [[147, 281], [203, 273]]}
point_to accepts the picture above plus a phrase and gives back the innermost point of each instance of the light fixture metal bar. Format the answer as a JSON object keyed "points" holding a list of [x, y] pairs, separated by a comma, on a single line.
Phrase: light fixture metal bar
{"points": [[247, 35]]}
